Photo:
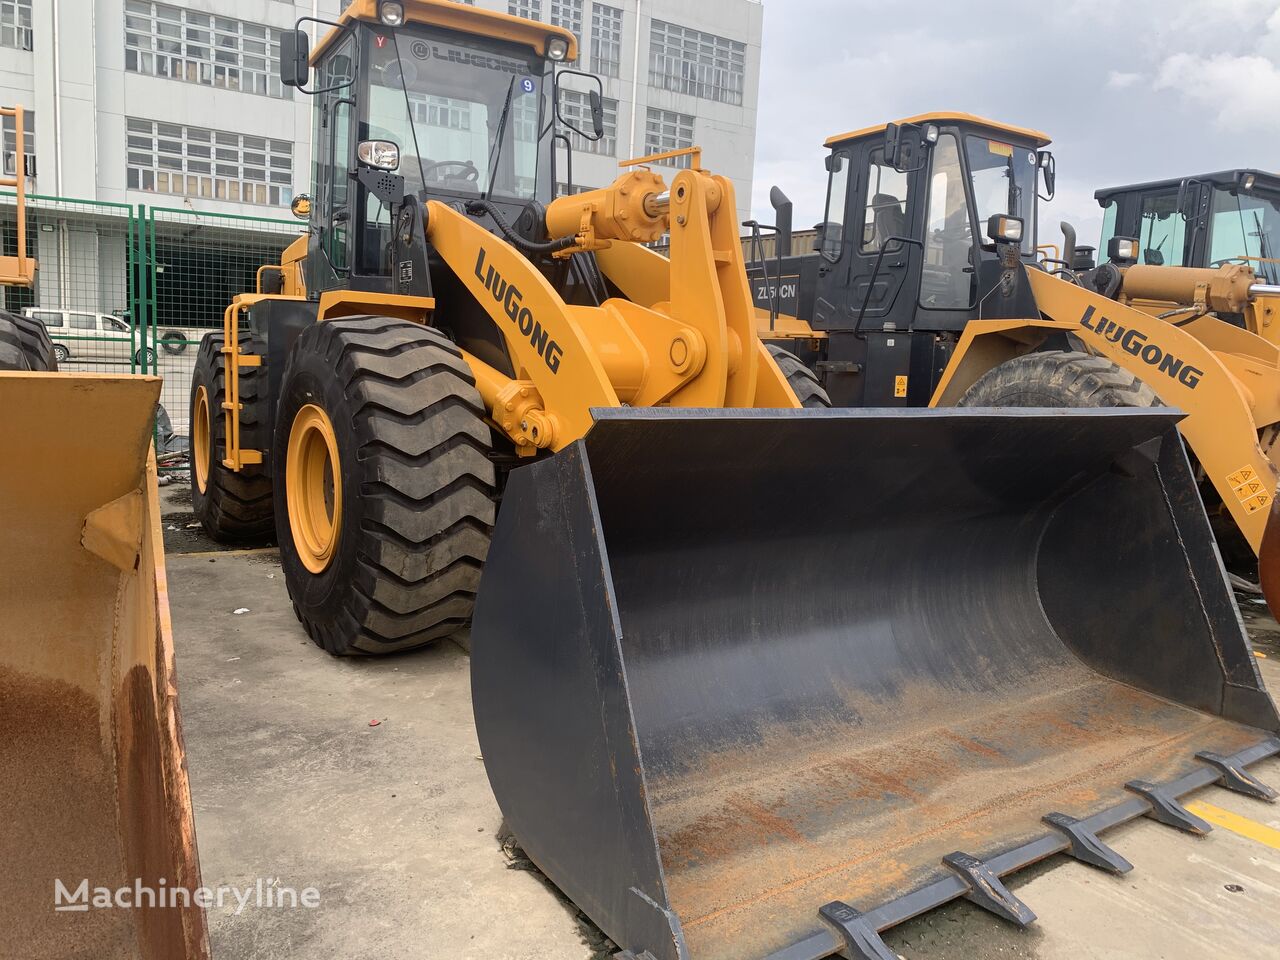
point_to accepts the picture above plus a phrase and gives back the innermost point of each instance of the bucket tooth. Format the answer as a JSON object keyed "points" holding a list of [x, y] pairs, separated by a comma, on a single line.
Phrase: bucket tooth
{"points": [[861, 940], [1085, 845], [1233, 776], [1166, 808], [988, 891]]}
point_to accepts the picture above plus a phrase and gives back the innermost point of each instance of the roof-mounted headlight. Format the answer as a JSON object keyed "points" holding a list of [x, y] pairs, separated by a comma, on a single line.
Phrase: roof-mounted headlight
{"points": [[391, 12], [558, 48]]}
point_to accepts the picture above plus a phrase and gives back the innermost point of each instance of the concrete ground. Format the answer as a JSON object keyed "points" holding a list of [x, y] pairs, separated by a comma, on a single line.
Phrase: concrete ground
{"points": [[395, 825]]}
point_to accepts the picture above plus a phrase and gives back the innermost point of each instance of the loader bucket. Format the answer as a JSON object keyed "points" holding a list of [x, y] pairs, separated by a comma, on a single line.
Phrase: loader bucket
{"points": [[763, 684], [93, 784]]}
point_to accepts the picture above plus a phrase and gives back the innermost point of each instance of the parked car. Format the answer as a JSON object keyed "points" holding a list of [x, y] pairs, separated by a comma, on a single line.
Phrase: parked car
{"points": [[80, 335]]}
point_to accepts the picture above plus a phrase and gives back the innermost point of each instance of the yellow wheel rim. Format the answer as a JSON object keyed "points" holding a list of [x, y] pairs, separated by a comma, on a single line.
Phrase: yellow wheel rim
{"points": [[200, 433], [313, 486]]}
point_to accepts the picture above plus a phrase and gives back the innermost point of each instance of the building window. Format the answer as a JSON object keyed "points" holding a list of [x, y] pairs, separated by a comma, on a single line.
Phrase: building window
{"points": [[15, 24], [665, 131], [575, 107], [529, 9], [567, 14], [167, 41], [699, 64], [606, 40], [11, 144], [562, 189], [441, 112], [209, 164]]}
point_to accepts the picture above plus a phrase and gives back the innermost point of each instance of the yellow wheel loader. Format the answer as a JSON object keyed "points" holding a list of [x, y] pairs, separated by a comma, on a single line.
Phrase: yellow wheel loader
{"points": [[725, 727], [928, 288], [93, 792]]}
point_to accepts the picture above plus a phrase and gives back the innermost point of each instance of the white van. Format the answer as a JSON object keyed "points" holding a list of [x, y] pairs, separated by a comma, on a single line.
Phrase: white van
{"points": [[80, 335]]}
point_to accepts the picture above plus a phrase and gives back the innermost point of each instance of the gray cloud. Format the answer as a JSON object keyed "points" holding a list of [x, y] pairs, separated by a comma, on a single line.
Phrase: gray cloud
{"points": [[1129, 91]]}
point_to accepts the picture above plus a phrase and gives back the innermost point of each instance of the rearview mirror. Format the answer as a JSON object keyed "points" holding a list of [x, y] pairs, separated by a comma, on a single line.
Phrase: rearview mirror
{"points": [[1049, 171], [597, 113], [595, 104], [295, 57], [904, 146]]}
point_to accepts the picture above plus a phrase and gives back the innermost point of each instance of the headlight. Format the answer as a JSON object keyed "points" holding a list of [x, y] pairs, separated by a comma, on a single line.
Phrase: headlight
{"points": [[1249, 180], [1004, 228], [379, 154], [558, 48], [1122, 250], [391, 13]]}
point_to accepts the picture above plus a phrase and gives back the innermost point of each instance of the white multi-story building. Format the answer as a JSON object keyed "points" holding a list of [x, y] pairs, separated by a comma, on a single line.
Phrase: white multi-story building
{"points": [[177, 103]]}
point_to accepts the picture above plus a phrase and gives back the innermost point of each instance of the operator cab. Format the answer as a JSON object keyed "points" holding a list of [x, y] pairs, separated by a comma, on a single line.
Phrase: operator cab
{"points": [[1232, 216], [903, 258], [428, 97]]}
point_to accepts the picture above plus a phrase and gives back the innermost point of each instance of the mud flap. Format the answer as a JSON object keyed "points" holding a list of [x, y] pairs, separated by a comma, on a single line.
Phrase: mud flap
{"points": [[753, 684], [94, 787]]}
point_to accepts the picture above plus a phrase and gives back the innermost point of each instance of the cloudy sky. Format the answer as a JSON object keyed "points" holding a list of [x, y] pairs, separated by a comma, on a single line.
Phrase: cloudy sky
{"points": [[1129, 90]]}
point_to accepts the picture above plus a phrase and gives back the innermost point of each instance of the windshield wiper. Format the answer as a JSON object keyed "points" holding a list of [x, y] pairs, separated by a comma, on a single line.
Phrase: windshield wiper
{"points": [[408, 109], [496, 150]]}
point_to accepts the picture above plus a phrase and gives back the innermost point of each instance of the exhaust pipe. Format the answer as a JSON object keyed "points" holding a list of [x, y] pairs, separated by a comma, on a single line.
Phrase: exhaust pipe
{"points": [[784, 208]]}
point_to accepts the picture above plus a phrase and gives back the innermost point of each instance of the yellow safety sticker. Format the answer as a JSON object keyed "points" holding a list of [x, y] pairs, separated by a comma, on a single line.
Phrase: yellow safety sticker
{"points": [[1241, 476], [1237, 824], [899, 386], [1249, 489], [1000, 149], [1254, 504]]}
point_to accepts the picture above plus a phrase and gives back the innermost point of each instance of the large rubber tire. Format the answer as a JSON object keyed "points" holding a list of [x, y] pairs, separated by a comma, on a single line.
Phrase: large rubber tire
{"points": [[804, 382], [1058, 379], [418, 494], [233, 507], [25, 344]]}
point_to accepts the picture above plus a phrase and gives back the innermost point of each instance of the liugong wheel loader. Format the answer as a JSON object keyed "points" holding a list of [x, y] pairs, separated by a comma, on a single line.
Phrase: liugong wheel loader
{"points": [[926, 288], [724, 728], [93, 781]]}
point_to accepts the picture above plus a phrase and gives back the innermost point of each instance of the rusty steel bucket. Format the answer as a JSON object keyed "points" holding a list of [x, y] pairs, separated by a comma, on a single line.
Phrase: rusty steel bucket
{"points": [[763, 684], [93, 785]]}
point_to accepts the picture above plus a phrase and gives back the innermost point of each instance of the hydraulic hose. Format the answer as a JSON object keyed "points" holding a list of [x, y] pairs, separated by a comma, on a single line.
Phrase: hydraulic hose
{"points": [[523, 244]]}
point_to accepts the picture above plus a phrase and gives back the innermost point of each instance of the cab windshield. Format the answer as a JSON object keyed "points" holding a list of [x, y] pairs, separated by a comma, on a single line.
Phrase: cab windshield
{"points": [[465, 114], [1245, 228], [1004, 181]]}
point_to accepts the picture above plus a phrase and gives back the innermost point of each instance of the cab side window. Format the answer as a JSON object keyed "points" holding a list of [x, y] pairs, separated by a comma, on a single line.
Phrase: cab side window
{"points": [[1164, 231], [837, 196], [885, 214]]}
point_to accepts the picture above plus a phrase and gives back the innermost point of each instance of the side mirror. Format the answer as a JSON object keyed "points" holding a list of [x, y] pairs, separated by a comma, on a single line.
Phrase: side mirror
{"points": [[295, 58], [301, 206], [904, 146], [597, 113], [1049, 171], [595, 104]]}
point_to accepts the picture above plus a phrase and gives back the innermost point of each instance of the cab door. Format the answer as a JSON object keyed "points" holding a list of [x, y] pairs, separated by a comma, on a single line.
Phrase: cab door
{"points": [[883, 255]]}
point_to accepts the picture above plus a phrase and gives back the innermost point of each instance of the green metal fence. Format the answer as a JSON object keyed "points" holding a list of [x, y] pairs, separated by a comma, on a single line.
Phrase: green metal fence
{"points": [[195, 262], [83, 291], [133, 290]]}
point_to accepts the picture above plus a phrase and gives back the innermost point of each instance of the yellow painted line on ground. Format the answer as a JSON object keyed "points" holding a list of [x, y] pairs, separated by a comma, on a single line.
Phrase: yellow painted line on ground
{"points": [[1251, 829], [205, 554]]}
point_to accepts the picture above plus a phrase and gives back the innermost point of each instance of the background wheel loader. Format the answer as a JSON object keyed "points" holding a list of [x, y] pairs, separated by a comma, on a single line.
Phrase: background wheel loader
{"points": [[1207, 220], [927, 288], [93, 781], [720, 730]]}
